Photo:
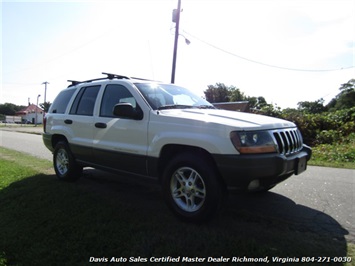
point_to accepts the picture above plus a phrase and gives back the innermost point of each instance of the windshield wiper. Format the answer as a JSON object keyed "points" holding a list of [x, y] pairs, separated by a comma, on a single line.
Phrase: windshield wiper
{"points": [[175, 106]]}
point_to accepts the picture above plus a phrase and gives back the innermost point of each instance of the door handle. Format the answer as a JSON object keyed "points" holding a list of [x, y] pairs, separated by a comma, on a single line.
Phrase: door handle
{"points": [[100, 125], [68, 121]]}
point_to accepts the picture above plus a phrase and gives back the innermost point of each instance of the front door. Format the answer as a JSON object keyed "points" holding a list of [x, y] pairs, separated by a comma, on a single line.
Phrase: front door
{"points": [[120, 143]]}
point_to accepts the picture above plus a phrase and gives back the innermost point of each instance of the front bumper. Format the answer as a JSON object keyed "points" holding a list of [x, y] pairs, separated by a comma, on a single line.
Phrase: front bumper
{"points": [[238, 171]]}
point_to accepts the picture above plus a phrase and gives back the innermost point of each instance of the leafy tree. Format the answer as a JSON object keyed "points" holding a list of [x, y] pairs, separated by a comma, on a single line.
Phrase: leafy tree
{"points": [[222, 93], [348, 87], [236, 95], [10, 108], [345, 99], [271, 110], [257, 102], [45, 106], [217, 93], [315, 107]]}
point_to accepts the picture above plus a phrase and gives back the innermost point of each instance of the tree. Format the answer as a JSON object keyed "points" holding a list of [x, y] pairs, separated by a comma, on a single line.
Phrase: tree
{"points": [[312, 107], [271, 110], [10, 108], [217, 93], [236, 95], [257, 102], [45, 106], [222, 93], [345, 99]]}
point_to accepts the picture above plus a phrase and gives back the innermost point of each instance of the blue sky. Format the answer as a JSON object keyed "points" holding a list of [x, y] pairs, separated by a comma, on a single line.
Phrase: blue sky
{"points": [[276, 49]]}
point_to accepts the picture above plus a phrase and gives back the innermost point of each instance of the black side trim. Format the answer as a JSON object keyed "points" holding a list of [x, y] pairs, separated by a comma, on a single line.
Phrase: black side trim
{"points": [[121, 161], [116, 171]]}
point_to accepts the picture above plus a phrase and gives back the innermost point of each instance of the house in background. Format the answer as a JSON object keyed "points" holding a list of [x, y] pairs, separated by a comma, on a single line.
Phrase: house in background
{"points": [[28, 114]]}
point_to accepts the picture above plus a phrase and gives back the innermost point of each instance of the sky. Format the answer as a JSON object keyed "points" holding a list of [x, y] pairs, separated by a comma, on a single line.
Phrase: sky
{"points": [[284, 50]]}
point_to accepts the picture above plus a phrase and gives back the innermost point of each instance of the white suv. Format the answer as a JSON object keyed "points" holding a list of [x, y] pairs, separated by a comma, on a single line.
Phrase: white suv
{"points": [[163, 131]]}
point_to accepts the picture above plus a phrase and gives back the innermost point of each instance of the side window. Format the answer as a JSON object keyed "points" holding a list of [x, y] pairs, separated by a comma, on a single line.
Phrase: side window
{"points": [[85, 101], [61, 102], [114, 94]]}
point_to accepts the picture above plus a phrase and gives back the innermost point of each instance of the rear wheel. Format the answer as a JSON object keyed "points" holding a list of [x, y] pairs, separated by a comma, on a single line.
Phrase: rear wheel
{"points": [[191, 188], [64, 163]]}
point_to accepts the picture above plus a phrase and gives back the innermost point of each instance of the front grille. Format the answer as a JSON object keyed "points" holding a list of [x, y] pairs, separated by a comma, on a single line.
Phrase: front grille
{"points": [[288, 140]]}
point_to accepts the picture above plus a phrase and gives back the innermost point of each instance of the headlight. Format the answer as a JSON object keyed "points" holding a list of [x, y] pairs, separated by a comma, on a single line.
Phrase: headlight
{"points": [[253, 141]]}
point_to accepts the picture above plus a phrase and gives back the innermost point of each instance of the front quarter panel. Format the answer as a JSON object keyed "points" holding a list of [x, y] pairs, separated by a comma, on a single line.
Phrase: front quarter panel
{"points": [[165, 130]]}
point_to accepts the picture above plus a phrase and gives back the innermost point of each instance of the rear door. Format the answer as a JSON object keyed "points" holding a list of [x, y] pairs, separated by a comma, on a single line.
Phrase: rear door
{"points": [[80, 122], [120, 143]]}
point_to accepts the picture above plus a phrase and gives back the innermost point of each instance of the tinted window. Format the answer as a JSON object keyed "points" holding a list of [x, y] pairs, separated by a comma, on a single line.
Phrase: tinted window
{"points": [[85, 101], [61, 102], [113, 95]]}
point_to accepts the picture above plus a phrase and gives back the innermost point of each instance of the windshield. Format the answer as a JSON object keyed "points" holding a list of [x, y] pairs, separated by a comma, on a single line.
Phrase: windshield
{"points": [[168, 96]]}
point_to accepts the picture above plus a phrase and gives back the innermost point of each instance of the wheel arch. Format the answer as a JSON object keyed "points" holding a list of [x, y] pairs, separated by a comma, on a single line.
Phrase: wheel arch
{"points": [[169, 151], [57, 138]]}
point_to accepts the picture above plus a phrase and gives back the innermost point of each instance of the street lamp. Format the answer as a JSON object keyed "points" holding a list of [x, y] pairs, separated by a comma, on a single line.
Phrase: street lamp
{"points": [[39, 95]]}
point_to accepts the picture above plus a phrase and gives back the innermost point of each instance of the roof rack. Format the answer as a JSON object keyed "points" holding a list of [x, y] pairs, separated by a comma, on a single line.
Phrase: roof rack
{"points": [[143, 79], [109, 76], [114, 76]]}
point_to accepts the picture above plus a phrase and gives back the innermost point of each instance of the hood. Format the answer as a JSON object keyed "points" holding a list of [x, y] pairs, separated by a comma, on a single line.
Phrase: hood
{"points": [[237, 120]]}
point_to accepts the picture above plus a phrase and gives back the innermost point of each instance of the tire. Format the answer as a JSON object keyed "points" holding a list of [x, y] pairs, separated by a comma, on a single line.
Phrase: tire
{"points": [[191, 188], [64, 163]]}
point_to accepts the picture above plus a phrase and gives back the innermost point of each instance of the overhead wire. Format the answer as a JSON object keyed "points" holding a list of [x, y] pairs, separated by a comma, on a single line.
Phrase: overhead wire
{"points": [[265, 64]]}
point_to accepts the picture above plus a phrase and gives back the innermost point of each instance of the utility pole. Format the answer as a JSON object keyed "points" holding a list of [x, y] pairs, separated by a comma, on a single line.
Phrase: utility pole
{"points": [[176, 19], [45, 90]]}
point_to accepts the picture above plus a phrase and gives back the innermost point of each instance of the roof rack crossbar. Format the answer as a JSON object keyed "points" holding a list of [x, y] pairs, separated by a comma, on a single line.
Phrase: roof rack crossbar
{"points": [[109, 76], [114, 76], [73, 82]]}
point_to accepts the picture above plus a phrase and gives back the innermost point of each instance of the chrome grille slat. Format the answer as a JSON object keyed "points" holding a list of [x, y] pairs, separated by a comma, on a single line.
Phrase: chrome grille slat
{"points": [[289, 140]]}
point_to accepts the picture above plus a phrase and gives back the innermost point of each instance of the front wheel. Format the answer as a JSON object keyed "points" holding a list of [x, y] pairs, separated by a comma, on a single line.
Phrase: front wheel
{"points": [[64, 163], [191, 188]]}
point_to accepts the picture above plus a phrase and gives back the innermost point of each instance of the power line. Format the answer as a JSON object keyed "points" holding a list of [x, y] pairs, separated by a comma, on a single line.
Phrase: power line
{"points": [[265, 64]]}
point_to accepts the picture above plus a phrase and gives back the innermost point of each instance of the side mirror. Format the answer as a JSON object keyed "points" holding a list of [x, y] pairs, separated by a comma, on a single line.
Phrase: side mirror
{"points": [[126, 110]]}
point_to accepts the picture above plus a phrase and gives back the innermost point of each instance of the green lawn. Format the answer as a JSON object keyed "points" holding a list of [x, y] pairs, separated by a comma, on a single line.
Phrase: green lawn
{"points": [[47, 222], [339, 155]]}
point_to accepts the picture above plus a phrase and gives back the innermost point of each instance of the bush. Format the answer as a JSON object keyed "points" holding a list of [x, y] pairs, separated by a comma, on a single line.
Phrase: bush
{"points": [[323, 128], [342, 152], [328, 136]]}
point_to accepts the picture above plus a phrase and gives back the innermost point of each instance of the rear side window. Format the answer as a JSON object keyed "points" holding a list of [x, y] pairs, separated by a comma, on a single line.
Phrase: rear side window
{"points": [[61, 102], [85, 101]]}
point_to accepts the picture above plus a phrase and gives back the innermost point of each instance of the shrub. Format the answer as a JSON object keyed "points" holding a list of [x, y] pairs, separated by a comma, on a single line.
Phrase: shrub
{"points": [[328, 136], [323, 128]]}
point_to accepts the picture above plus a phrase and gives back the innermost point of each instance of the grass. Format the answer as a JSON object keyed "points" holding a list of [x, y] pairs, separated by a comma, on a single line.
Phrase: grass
{"points": [[47, 222], [339, 155]]}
